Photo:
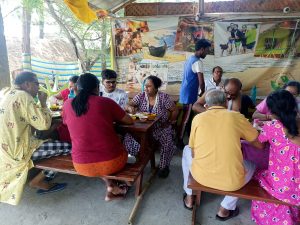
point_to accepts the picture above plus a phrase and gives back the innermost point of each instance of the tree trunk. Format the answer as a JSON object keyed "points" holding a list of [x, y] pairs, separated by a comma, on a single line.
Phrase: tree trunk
{"points": [[103, 46], [4, 67], [41, 26], [26, 51]]}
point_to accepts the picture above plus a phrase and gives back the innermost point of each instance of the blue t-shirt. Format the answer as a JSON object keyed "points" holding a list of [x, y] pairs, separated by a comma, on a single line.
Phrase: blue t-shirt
{"points": [[190, 83]]}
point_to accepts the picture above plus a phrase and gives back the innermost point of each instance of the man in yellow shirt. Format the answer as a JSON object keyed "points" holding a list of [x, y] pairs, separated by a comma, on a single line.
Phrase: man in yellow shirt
{"points": [[19, 114], [214, 155]]}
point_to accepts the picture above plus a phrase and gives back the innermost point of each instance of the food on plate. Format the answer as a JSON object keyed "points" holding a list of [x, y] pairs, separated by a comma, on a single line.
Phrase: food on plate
{"points": [[143, 118], [54, 107], [151, 116]]}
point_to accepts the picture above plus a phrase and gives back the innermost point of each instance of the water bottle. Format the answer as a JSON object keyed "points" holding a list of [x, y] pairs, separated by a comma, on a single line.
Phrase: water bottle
{"points": [[71, 94], [253, 94]]}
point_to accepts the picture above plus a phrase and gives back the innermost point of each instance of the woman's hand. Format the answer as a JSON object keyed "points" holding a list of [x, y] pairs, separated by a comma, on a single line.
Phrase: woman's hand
{"points": [[130, 109]]}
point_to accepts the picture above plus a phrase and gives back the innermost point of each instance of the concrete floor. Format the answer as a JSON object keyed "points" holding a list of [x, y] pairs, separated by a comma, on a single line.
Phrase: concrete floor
{"points": [[82, 203]]}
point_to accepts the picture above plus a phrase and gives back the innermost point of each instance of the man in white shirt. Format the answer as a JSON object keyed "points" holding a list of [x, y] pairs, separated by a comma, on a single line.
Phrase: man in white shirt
{"points": [[216, 81], [108, 88]]}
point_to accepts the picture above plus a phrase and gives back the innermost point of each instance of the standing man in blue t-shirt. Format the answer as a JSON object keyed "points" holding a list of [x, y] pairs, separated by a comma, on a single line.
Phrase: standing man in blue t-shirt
{"points": [[192, 81]]}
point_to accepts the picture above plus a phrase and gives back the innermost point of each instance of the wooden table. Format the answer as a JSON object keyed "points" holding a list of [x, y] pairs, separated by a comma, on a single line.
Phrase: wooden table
{"points": [[142, 132]]}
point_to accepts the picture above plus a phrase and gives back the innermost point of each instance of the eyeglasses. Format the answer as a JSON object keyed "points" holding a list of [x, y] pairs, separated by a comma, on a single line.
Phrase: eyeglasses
{"points": [[230, 95], [110, 82]]}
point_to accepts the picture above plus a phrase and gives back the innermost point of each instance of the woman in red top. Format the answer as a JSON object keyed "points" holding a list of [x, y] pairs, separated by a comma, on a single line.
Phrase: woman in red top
{"points": [[96, 147], [63, 95]]}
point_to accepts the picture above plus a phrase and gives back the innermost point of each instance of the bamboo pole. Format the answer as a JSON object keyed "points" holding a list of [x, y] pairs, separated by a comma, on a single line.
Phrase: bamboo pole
{"points": [[140, 197]]}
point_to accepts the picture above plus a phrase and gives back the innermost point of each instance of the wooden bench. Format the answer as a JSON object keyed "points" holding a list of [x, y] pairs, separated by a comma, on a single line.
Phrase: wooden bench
{"points": [[132, 173], [251, 191]]}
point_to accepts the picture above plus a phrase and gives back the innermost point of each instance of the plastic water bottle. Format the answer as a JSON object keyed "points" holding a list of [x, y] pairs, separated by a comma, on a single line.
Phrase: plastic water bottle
{"points": [[72, 94], [253, 94]]}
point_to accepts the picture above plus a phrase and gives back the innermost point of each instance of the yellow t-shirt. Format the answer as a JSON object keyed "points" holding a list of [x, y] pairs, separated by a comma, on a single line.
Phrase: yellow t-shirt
{"points": [[215, 141], [18, 114]]}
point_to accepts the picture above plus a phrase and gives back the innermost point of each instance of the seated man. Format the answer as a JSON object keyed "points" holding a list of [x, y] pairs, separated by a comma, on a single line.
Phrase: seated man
{"points": [[109, 90], [19, 115], [215, 81], [232, 90], [214, 155]]}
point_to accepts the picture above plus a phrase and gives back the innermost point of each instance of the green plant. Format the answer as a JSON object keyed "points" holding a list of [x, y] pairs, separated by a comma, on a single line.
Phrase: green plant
{"points": [[278, 84], [54, 89]]}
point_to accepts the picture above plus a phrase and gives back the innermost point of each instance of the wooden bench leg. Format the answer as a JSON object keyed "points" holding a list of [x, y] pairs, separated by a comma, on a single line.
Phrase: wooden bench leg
{"points": [[196, 204], [138, 185], [152, 161]]}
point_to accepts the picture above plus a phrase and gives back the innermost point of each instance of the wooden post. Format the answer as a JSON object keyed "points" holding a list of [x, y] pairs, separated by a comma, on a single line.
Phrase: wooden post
{"points": [[4, 67], [201, 7]]}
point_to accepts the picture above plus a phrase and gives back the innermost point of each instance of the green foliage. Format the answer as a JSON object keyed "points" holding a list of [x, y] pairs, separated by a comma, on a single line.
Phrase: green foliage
{"points": [[31, 5], [52, 90], [276, 85], [92, 40]]}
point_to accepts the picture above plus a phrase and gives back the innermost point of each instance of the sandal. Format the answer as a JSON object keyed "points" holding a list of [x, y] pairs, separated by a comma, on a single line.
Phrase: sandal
{"points": [[55, 188], [184, 204], [232, 213]]}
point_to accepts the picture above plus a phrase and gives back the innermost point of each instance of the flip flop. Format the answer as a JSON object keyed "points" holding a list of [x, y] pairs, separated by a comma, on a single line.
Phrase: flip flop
{"points": [[184, 204], [55, 188], [232, 213]]}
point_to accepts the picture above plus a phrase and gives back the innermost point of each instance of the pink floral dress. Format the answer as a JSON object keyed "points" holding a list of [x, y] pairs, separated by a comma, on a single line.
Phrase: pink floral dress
{"points": [[281, 179]]}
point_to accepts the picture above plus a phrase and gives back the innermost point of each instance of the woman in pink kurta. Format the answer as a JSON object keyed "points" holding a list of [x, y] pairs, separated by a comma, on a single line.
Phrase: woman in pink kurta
{"points": [[282, 178]]}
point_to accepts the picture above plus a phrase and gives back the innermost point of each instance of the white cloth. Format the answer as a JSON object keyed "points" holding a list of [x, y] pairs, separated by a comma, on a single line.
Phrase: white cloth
{"points": [[228, 202], [211, 84], [118, 95], [197, 66]]}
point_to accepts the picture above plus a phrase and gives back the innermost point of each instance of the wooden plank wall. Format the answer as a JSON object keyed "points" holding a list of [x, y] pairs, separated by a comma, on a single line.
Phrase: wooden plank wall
{"points": [[152, 9]]}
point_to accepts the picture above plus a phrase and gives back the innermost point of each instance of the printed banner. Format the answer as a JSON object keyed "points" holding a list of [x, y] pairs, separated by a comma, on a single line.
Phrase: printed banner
{"points": [[190, 31], [235, 38]]}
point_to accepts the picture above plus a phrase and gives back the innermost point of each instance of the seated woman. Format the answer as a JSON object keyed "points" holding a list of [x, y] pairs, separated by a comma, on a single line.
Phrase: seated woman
{"points": [[96, 148], [61, 130], [282, 177], [262, 112], [63, 95], [154, 101]]}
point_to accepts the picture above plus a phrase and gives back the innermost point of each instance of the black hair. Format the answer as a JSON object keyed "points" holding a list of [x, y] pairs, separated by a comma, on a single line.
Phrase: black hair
{"points": [[235, 81], [155, 80], [213, 70], [202, 43], [292, 83], [86, 85], [108, 74], [24, 76], [74, 79], [283, 104]]}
